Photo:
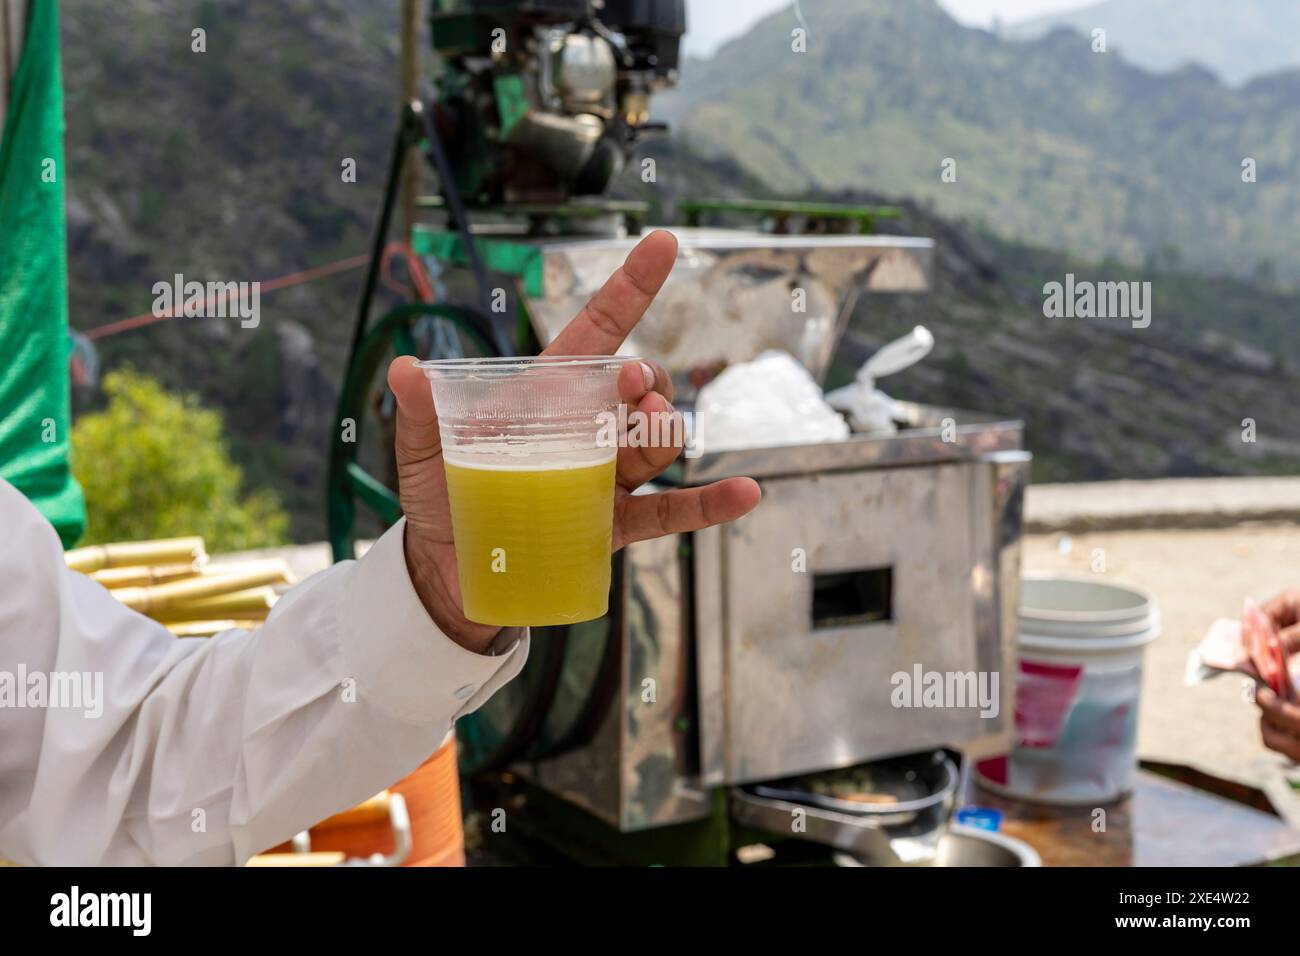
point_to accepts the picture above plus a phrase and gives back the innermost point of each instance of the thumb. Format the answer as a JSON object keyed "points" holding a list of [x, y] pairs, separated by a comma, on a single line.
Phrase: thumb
{"points": [[417, 422]]}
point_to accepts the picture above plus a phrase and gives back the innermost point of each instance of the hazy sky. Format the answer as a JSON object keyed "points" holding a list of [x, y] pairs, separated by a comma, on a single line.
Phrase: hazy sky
{"points": [[713, 22]]}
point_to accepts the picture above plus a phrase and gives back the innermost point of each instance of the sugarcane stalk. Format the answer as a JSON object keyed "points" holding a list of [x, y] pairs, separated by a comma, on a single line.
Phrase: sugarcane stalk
{"points": [[249, 603], [319, 858], [277, 565], [208, 628], [121, 554], [145, 576], [161, 597]]}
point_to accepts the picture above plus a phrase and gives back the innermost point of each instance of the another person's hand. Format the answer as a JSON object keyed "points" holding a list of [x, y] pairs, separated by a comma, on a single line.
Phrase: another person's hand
{"points": [[1279, 722], [599, 329], [1284, 612]]}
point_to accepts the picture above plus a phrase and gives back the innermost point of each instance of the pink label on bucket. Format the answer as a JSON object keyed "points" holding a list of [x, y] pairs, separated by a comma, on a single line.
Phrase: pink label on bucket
{"points": [[1044, 695]]}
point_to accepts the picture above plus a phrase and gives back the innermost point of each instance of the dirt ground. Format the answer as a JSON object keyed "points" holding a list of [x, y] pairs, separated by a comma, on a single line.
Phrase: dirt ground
{"points": [[1196, 576]]}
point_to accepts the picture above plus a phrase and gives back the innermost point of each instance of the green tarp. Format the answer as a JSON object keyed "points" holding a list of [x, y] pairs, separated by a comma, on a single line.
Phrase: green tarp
{"points": [[34, 344]]}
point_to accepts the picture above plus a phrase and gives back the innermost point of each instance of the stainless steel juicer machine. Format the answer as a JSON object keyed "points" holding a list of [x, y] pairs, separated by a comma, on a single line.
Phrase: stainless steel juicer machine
{"points": [[768, 649]]}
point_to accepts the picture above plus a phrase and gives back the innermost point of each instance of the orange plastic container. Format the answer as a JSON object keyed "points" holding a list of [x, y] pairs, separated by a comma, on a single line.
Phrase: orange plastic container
{"points": [[432, 795]]}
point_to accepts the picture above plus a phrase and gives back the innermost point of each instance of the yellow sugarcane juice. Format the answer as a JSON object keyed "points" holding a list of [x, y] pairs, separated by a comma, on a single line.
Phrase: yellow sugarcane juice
{"points": [[530, 457], [533, 543]]}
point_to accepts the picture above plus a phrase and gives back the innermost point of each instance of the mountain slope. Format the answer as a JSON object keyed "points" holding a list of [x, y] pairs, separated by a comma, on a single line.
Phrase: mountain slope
{"points": [[1237, 41], [1054, 144]]}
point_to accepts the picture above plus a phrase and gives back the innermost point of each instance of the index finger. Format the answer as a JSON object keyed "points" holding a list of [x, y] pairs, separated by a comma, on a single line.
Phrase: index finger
{"points": [[605, 321]]}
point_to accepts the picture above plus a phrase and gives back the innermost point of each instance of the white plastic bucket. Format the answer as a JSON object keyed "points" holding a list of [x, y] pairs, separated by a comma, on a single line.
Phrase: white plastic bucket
{"points": [[1081, 646]]}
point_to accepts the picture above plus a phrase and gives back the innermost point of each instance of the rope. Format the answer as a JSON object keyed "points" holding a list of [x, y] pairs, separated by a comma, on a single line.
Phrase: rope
{"points": [[270, 285]]}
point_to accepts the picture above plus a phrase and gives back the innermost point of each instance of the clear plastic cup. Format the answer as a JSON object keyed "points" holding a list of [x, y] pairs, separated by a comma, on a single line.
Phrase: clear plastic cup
{"points": [[530, 455]]}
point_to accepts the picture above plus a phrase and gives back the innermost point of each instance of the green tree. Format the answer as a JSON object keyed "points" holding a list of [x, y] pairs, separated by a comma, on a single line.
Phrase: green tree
{"points": [[156, 465]]}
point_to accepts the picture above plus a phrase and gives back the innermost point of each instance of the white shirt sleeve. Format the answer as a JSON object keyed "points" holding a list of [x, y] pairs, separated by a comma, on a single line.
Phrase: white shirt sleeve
{"points": [[122, 744]]}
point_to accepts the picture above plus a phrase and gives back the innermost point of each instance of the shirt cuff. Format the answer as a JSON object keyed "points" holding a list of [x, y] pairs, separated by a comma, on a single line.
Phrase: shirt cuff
{"points": [[399, 658]]}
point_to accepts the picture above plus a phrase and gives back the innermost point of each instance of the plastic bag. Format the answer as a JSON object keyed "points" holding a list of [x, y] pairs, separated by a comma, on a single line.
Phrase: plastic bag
{"points": [[771, 400], [870, 410]]}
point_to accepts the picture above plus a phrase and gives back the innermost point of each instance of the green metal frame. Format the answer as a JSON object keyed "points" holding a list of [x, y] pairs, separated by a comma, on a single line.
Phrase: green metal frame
{"points": [[348, 481], [522, 260], [512, 103], [781, 210]]}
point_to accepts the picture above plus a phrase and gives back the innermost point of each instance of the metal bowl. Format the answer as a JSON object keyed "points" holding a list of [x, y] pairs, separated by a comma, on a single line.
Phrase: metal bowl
{"points": [[966, 846], [924, 786]]}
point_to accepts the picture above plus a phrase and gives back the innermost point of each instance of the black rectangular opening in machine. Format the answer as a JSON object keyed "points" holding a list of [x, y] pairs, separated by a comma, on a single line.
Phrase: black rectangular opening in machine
{"points": [[853, 598]]}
